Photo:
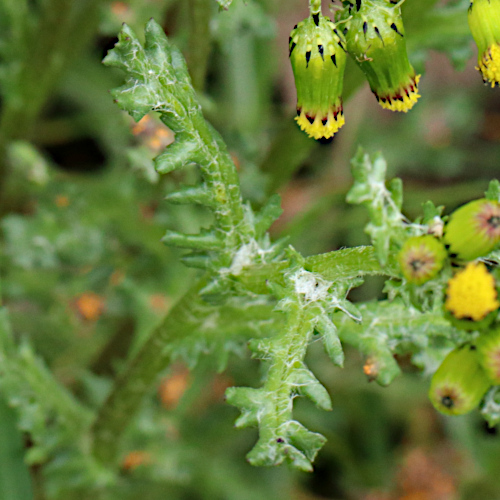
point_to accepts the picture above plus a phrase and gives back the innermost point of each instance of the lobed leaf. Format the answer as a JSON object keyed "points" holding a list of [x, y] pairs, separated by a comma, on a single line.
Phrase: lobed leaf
{"points": [[384, 204]]}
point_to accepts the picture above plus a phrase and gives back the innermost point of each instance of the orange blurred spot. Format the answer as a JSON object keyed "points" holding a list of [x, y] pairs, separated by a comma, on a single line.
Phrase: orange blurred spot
{"points": [[119, 8], [62, 201], [164, 133], [154, 143], [370, 369], [141, 125], [236, 161], [422, 477], [90, 306], [136, 458], [153, 133], [159, 303], [173, 387]]}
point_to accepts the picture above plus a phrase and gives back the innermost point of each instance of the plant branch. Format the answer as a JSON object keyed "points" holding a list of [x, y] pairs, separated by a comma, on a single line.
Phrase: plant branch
{"points": [[185, 320]]}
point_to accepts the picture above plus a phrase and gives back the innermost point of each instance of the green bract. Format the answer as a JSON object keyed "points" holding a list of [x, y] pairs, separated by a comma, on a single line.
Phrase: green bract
{"points": [[488, 348], [473, 230], [375, 39], [318, 62], [484, 23], [421, 258], [459, 383]]}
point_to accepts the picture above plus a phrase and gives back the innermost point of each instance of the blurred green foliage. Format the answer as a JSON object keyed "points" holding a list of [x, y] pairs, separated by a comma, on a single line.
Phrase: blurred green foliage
{"points": [[86, 279]]}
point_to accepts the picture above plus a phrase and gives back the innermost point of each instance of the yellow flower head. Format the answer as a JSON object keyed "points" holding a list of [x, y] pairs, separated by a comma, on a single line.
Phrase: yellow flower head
{"points": [[376, 40], [421, 258], [484, 23], [403, 99], [318, 61], [473, 230], [471, 293], [489, 65]]}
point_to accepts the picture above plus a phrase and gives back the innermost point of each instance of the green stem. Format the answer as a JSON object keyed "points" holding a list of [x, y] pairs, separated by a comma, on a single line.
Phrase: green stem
{"points": [[332, 266], [315, 6], [185, 318], [139, 377], [291, 346], [222, 178]]}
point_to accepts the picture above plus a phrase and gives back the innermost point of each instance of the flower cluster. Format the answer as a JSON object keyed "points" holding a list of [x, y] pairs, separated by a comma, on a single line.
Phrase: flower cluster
{"points": [[471, 300], [373, 35]]}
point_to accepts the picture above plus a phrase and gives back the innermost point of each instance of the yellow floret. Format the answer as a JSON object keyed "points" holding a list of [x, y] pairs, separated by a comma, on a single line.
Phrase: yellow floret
{"points": [[472, 293], [317, 129], [489, 65], [408, 100]]}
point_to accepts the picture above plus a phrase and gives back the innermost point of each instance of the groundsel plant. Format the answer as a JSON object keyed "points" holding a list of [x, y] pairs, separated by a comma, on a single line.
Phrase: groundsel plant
{"points": [[306, 297], [442, 274]]}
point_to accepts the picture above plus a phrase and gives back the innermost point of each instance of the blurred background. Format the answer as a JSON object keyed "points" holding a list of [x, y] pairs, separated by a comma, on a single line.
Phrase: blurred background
{"points": [[85, 276]]}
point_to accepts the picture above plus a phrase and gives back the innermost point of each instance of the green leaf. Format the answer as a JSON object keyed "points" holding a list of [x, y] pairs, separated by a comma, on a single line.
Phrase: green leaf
{"points": [[383, 204], [267, 215], [431, 212], [390, 328], [331, 340], [308, 385], [249, 401], [157, 80], [493, 192], [177, 155], [306, 299]]}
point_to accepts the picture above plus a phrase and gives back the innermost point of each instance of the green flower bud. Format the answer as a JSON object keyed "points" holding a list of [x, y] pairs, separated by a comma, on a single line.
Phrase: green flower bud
{"points": [[473, 230], [459, 383], [318, 62], [375, 38], [471, 297], [421, 258], [484, 23], [488, 349]]}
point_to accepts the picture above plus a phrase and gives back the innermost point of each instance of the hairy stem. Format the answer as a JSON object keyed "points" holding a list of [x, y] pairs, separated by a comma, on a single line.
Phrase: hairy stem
{"points": [[140, 375]]}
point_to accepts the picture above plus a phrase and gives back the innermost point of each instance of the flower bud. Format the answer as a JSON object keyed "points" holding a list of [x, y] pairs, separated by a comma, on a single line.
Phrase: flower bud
{"points": [[459, 383], [484, 23], [488, 349], [318, 62], [375, 38], [421, 258], [473, 230], [471, 297]]}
